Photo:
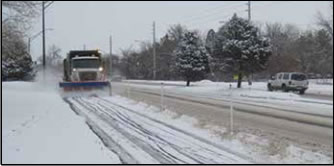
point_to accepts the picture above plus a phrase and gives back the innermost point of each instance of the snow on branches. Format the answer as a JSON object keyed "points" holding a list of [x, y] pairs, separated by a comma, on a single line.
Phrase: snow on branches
{"points": [[191, 57], [240, 49]]}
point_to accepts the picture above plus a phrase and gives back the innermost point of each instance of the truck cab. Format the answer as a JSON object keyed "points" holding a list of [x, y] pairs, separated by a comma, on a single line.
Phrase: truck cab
{"points": [[82, 66]]}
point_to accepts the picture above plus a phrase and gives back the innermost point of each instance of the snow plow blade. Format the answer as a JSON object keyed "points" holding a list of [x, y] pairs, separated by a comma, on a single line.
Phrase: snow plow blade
{"points": [[73, 89], [84, 84]]}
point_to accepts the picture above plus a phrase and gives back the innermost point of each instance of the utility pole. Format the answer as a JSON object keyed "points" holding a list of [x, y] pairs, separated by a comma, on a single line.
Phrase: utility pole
{"points": [[110, 51], [44, 6], [84, 47], [29, 41], [110, 61], [249, 21], [154, 53], [249, 11], [43, 30]]}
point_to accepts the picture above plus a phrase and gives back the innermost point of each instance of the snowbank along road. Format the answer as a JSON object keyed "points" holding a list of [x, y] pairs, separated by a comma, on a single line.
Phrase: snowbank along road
{"points": [[139, 139]]}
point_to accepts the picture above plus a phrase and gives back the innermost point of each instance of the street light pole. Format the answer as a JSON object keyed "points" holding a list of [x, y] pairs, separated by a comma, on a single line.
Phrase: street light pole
{"points": [[43, 30], [29, 40], [154, 53], [110, 51], [249, 11]]}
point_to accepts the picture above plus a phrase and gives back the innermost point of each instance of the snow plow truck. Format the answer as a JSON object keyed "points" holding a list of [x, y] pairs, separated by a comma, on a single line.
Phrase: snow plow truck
{"points": [[84, 70]]}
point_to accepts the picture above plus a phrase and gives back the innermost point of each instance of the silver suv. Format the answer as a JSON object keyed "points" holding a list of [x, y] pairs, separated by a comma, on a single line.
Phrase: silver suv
{"points": [[288, 82]]}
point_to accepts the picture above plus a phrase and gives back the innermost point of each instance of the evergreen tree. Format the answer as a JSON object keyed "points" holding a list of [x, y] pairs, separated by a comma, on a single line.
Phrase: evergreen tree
{"points": [[240, 49], [191, 58], [17, 68]]}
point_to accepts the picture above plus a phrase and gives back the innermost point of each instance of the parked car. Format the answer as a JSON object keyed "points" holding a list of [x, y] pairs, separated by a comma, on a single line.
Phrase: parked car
{"points": [[117, 78], [289, 82], [329, 76]]}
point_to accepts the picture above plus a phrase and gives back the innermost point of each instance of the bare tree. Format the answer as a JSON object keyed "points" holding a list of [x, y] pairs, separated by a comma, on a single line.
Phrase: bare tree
{"points": [[12, 41], [175, 32], [326, 23], [284, 53], [19, 13], [16, 17], [54, 56]]}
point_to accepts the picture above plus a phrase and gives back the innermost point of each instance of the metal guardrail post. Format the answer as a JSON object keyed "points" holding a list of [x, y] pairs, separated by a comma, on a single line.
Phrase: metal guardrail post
{"points": [[162, 97], [231, 112]]}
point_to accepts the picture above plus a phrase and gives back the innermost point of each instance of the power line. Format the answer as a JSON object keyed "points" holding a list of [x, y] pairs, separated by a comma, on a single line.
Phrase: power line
{"points": [[214, 13], [205, 10], [220, 17], [249, 7], [47, 5], [266, 5]]}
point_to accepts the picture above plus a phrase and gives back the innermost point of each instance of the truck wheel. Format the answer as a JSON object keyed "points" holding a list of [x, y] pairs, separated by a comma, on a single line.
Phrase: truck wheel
{"points": [[270, 88], [284, 88], [301, 92]]}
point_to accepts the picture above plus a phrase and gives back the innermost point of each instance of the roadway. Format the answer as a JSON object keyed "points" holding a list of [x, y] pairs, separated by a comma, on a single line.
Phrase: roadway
{"points": [[314, 131]]}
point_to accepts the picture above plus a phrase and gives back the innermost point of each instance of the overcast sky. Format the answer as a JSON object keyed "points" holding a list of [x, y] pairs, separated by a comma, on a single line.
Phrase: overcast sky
{"points": [[76, 24]]}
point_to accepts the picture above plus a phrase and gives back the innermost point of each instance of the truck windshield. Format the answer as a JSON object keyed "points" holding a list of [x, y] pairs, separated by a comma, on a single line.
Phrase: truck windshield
{"points": [[298, 77], [86, 63]]}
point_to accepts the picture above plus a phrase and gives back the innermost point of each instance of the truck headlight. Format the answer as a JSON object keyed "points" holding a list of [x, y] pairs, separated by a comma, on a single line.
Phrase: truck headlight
{"points": [[101, 69]]}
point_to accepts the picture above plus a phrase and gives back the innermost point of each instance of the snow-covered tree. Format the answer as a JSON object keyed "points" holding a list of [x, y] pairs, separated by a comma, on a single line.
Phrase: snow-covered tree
{"points": [[240, 49], [17, 68], [191, 58], [17, 16]]}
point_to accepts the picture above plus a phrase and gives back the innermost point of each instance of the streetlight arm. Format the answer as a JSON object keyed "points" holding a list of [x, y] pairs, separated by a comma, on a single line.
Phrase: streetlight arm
{"points": [[47, 5], [39, 33]]}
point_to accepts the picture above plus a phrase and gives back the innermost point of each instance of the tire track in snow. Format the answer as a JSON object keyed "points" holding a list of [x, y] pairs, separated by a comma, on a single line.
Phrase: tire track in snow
{"points": [[192, 136], [111, 144], [157, 141], [161, 156], [193, 156], [164, 143], [114, 123]]}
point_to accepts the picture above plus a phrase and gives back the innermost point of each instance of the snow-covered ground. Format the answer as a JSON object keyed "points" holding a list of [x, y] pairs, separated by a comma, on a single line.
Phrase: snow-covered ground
{"points": [[38, 127], [315, 87], [138, 137], [321, 81], [320, 89], [257, 94], [149, 125]]}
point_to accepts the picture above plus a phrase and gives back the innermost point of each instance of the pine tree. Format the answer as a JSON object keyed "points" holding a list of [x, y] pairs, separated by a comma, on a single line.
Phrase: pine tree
{"points": [[17, 68], [240, 49], [191, 58]]}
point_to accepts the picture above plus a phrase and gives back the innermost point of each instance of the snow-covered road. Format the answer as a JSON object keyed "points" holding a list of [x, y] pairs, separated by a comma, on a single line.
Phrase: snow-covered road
{"points": [[250, 96], [137, 138], [298, 126], [40, 127]]}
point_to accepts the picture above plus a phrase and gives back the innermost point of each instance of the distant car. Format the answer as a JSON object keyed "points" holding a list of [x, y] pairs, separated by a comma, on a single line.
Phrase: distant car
{"points": [[312, 76], [288, 82], [318, 76], [329, 76], [117, 78]]}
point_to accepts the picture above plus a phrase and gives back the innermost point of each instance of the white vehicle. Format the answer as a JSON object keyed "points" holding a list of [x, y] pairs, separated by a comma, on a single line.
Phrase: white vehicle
{"points": [[117, 78], [289, 82], [84, 69]]}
